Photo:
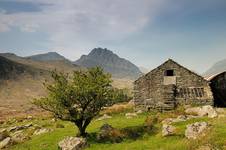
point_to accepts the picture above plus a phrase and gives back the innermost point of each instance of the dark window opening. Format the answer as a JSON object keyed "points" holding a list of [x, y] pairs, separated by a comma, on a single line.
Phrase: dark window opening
{"points": [[169, 73]]}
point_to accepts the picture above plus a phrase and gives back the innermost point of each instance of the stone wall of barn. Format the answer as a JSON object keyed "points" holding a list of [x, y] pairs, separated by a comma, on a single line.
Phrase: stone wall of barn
{"points": [[152, 92], [218, 85]]}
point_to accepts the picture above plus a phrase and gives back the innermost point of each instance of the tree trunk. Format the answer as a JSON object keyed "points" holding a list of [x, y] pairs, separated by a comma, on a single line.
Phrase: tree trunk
{"points": [[82, 132], [82, 125]]}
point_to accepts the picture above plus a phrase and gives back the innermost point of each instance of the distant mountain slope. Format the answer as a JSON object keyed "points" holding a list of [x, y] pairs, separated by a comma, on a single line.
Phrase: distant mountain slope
{"points": [[60, 63], [21, 80], [216, 68], [12, 70], [50, 56], [110, 62]]}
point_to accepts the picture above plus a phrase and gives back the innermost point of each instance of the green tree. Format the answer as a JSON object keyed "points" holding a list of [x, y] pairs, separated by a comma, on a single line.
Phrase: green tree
{"points": [[78, 98]]}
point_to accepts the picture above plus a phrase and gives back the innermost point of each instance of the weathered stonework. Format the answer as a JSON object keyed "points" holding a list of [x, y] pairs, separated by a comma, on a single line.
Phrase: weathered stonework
{"points": [[218, 86], [169, 85]]}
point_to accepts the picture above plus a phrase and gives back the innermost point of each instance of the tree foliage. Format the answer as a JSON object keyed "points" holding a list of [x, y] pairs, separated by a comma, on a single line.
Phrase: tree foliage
{"points": [[78, 98]]}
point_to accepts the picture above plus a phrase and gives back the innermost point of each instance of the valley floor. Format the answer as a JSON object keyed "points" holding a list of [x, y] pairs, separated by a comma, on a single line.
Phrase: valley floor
{"points": [[216, 136]]}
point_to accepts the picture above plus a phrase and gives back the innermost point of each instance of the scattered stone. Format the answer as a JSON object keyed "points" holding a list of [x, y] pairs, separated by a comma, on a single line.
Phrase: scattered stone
{"points": [[53, 120], [3, 134], [130, 115], [196, 130], [202, 111], [105, 116], [73, 143], [4, 143], [139, 112], [29, 117], [19, 137], [220, 111], [28, 125], [178, 119], [42, 131], [167, 121], [168, 130], [17, 128], [181, 118], [209, 111], [131, 102]]}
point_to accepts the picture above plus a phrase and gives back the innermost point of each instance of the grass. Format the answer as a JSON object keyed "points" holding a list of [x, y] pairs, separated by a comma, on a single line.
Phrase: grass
{"points": [[153, 141]]}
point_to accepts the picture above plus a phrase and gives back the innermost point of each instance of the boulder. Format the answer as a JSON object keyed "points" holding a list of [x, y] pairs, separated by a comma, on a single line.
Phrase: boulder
{"points": [[3, 134], [167, 121], [139, 112], [105, 116], [29, 118], [73, 143], [178, 119], [196, 130], [42, 131], [108, 133], [17, 128], [168, 130], [131, 102], [53, 120], [220, 111], [130, 115], [181, 118], [28, 125], [209, 111], [4, 143], [202, 111], [19, 136]]}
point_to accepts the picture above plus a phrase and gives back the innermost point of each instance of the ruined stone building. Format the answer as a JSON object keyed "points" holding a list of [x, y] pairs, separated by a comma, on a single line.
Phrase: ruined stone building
{"points": [[218, 86], [170, 85]]}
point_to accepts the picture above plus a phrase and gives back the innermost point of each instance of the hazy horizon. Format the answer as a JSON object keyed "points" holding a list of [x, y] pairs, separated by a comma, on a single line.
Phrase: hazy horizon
{"points": [[146, 32]]}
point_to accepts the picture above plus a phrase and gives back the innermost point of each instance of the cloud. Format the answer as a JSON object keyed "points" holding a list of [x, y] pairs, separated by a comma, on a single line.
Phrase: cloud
{"points": [[69, 23]]}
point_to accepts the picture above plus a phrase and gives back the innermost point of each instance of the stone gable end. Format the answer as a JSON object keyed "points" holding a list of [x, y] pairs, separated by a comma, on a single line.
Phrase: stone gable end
{"points": [[170, 85]]}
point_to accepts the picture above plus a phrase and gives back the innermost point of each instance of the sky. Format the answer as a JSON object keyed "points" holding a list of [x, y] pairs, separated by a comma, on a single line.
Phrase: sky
{"points": [[146, 32]]}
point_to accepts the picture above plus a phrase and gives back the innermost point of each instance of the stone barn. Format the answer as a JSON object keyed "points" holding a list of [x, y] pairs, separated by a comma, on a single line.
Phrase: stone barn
{"points": [[170, 85], [218, 86]]}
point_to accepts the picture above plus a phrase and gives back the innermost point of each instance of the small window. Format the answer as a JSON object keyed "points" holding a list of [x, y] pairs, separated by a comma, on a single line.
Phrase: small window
{"points": [[169, 73]]}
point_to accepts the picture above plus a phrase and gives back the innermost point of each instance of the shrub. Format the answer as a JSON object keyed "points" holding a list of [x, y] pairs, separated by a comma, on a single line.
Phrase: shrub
{"points": [[150, 122], [118, 108]]}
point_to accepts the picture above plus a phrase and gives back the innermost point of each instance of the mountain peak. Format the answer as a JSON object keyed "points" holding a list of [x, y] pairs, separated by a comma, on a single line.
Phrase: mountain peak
{"points": [[110, 62], [101, 52], [50, 56]]}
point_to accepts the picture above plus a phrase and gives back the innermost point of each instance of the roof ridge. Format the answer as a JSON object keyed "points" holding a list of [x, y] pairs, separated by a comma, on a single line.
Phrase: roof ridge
{"points": [[176, 64]]}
